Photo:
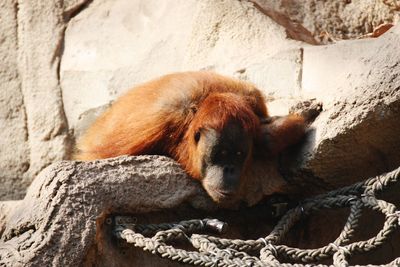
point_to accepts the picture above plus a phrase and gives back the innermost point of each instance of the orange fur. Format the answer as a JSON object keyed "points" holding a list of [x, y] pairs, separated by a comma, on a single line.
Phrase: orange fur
{"points": [[215, 112], [285, 131], [162, 117], [153, 117]]}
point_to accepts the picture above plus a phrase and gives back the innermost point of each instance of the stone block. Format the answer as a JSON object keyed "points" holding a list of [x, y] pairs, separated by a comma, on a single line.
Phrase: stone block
{"points": [[357, 135], [14, 145], [279, 76]]}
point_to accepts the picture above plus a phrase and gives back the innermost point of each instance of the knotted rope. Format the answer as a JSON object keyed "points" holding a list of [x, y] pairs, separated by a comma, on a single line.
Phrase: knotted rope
{"points": [[214, 251]]}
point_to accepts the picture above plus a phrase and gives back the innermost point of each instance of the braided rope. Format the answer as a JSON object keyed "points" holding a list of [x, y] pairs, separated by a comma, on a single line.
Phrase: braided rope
{"points": [[214, 251]]}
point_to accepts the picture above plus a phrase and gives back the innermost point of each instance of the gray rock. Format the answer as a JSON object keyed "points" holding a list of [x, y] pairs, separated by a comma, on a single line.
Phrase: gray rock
{"points": [[336, 19], [64, 202], [34, 130], [14, 146], [358, 133]]}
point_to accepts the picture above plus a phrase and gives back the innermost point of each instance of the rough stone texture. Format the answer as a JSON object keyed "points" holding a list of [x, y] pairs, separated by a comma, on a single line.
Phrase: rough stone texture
{"points": [[280, 79], [279, 75], [34, 129], [108, 50], [221, 31], [338, 18], [40, 31], [63, 203], [294, 30], [62, 220], [14, 156], [361, 95]]}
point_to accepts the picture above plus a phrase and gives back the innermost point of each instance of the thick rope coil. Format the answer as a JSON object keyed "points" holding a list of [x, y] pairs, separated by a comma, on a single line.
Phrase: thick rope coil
{"points": [[214, 251]]}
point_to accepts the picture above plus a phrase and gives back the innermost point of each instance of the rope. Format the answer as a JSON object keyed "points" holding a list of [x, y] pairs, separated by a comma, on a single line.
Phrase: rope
{"points": [[214, 251]]}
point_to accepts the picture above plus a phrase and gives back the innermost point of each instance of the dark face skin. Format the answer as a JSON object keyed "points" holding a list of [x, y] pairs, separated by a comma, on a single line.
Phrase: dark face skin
{"points": [[224, 156]]}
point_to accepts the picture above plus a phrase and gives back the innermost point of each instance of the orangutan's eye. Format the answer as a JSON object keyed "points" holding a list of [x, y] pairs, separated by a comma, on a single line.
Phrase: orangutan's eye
{"points": [[197, 136]]}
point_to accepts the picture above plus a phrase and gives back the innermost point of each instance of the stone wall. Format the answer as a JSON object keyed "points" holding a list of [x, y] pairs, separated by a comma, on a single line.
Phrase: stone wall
{"points": [[62, 62], [34, 128], [335, 20]]}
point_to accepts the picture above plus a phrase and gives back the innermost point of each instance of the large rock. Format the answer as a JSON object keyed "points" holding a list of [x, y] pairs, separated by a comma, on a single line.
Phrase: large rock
{"points": [[358, 134], [279, 77], [64, 202], [336, 19], [14, 156], [41, 31], [66, 216], [34, 131]]}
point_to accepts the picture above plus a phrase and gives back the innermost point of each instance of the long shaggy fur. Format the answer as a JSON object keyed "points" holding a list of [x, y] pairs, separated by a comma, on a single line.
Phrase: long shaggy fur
{"points": [[162, 116]]}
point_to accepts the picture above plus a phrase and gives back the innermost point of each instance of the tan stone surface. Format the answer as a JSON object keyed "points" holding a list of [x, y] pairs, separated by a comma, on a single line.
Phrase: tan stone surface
{"points": [[34, 130], [55, 224], [14, 148], [338, 19], [40, 36], [361, 96]]}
